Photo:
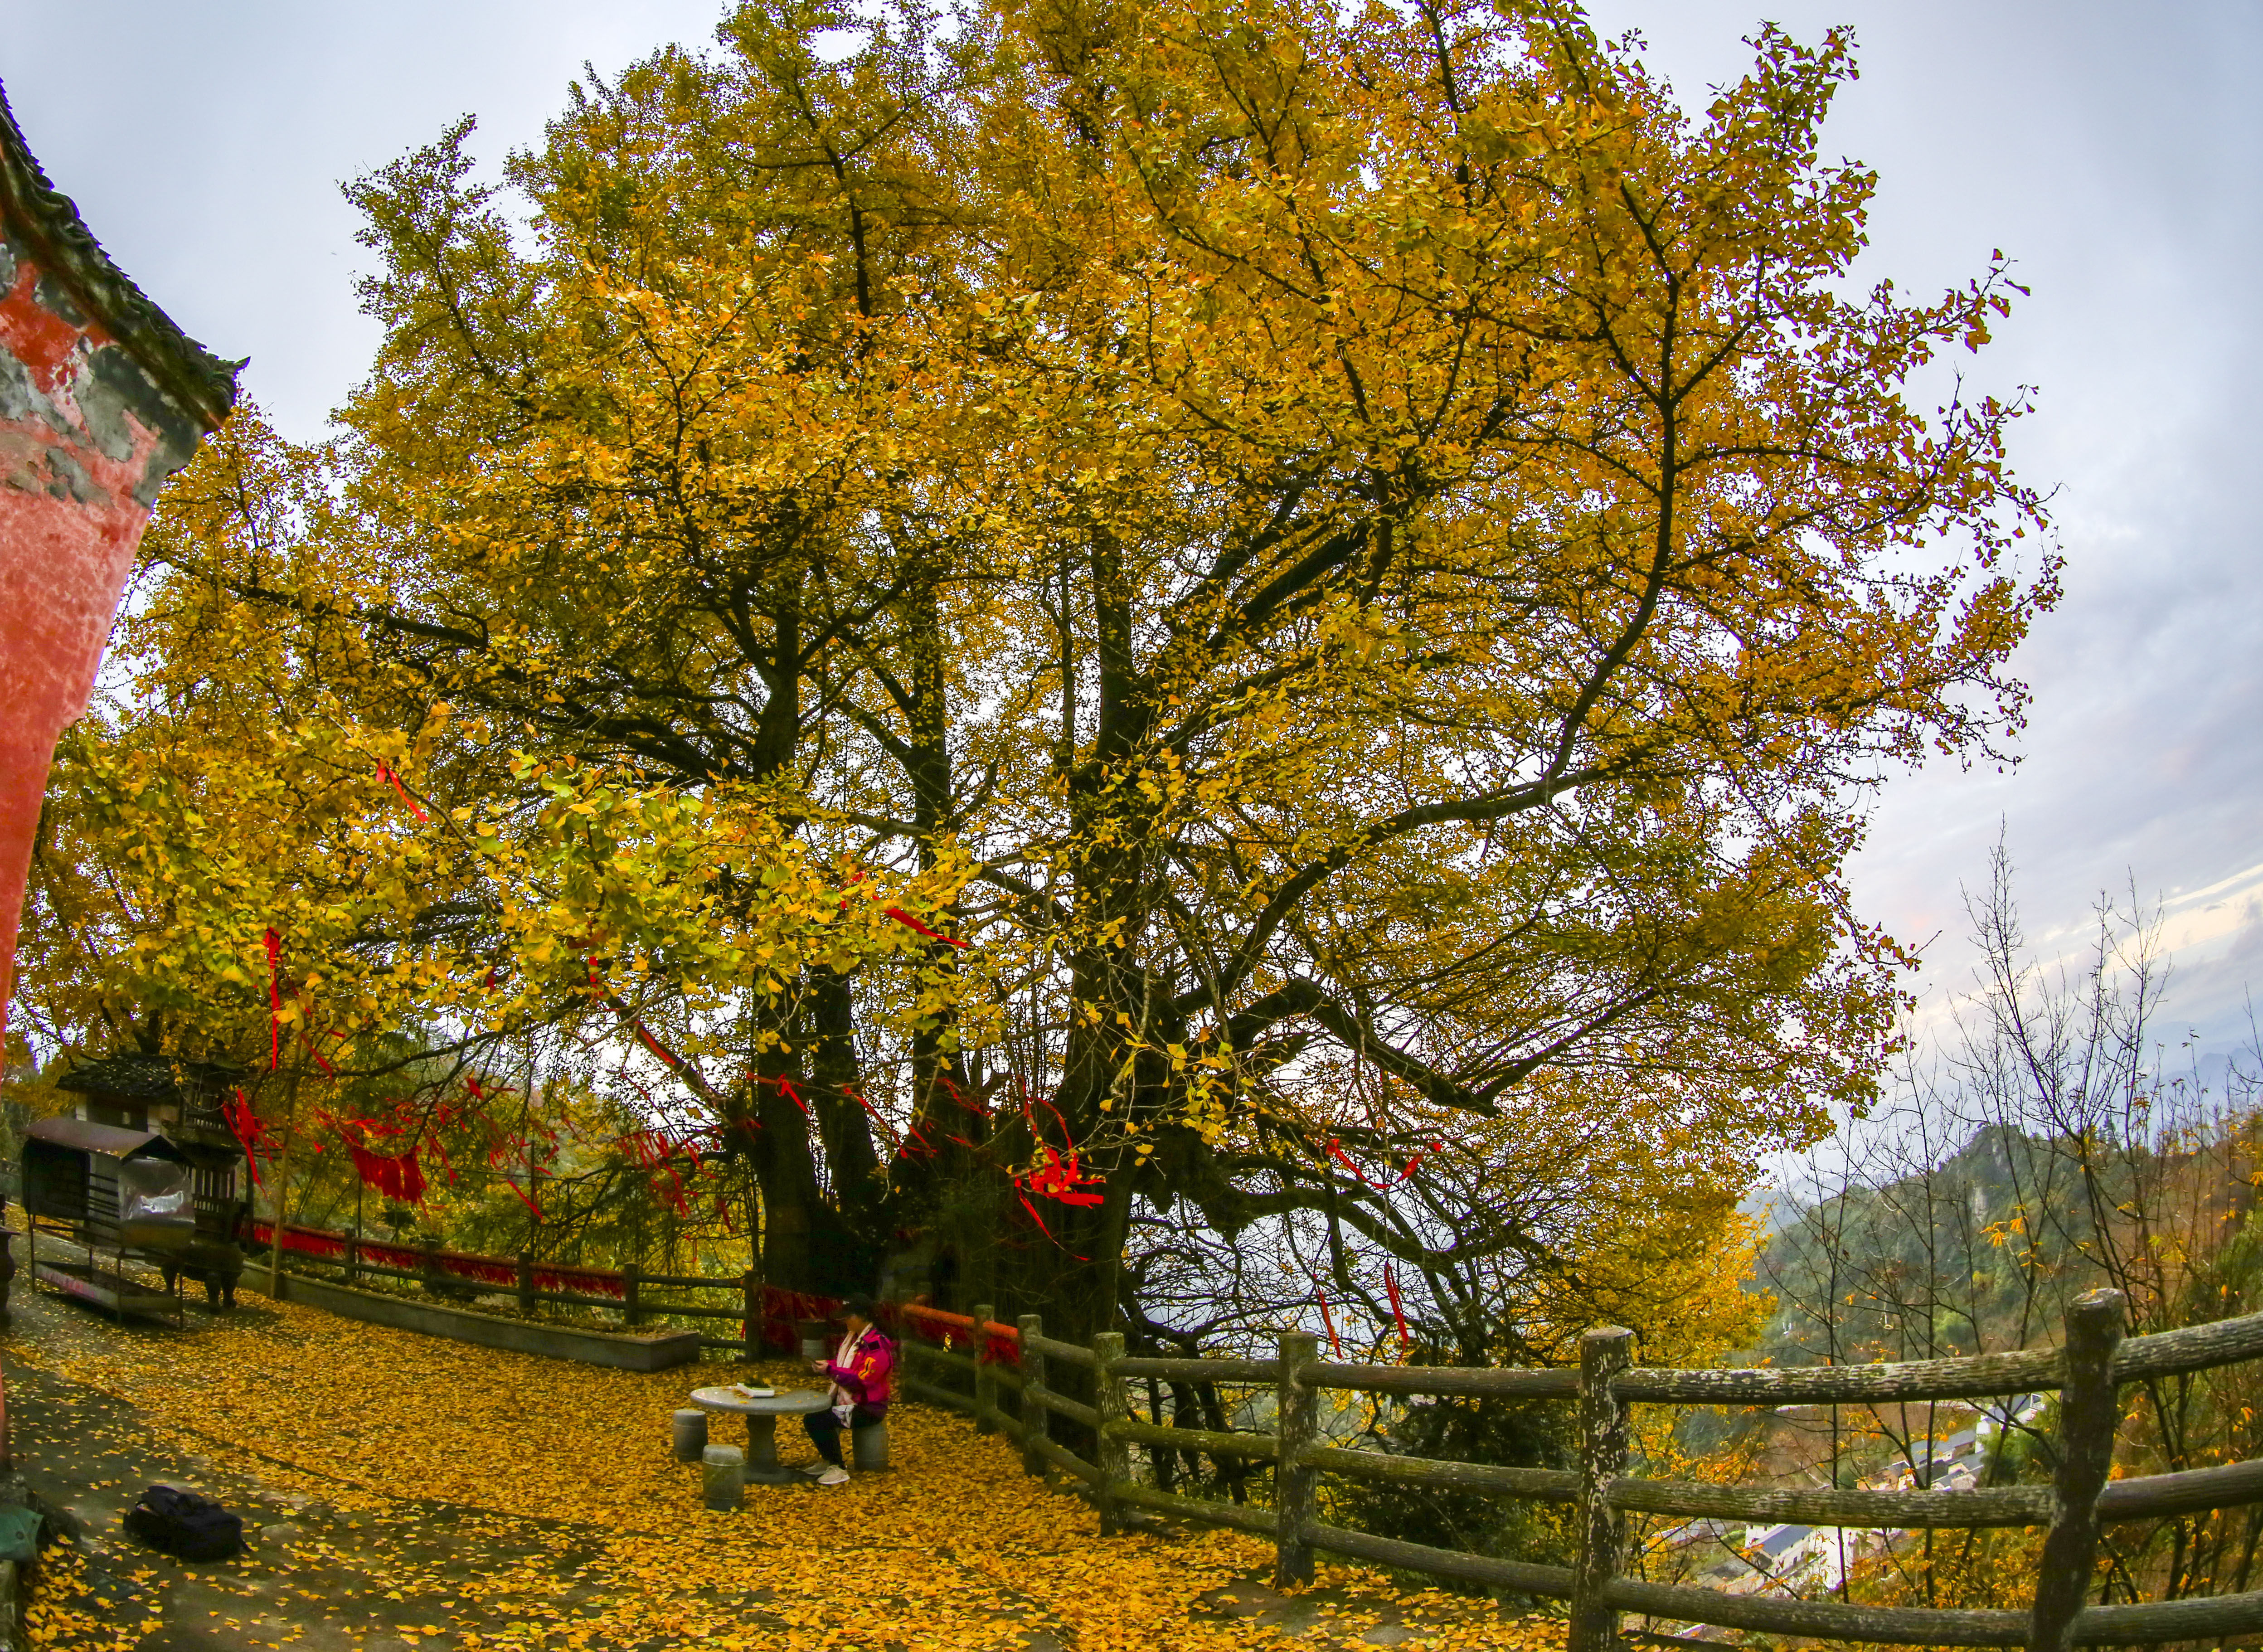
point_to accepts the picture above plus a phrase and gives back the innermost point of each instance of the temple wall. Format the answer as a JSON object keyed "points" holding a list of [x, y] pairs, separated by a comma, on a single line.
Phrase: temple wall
{"points": [[87, 438]]}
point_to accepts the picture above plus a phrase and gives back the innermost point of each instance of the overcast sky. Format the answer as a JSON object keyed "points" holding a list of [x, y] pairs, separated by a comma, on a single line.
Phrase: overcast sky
{"points": [[2113, 150]]}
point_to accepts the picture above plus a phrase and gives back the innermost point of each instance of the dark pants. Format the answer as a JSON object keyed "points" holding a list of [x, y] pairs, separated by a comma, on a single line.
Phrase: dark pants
{"points": [[825, 1429]]}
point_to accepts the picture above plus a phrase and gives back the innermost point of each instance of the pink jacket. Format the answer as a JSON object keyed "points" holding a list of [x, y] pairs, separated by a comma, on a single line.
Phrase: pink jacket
{"points": [[860, 1371]]}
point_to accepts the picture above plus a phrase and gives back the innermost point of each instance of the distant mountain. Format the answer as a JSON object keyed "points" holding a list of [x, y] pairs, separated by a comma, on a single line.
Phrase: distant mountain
{"points": [[1975, 1253]]}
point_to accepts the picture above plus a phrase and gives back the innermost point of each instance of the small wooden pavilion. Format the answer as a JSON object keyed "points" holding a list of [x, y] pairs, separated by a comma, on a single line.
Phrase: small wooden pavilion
{"points": [[144, 1180]]}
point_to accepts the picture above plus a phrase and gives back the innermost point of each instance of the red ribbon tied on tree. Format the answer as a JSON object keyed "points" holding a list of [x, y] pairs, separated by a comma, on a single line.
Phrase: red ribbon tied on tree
{"points": [[1335, 1148], [250, 1134], [386, 774], [1408, 1173], [399, 1177], [912, 923], [1060, 1179], [1397, 1311]]}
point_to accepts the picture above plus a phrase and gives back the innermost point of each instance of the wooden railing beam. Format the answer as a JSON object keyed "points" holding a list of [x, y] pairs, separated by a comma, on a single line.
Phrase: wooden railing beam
{"points": [[1536, 1485], [1213, 1441], [1997, 1506]]}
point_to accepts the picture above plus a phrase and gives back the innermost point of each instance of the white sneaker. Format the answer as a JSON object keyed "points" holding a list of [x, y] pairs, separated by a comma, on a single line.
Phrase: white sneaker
{"points": [[811, 1469], [833, 1476]]}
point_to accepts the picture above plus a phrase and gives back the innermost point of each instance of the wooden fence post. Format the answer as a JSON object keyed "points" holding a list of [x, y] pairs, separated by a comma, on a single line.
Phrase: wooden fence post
{"points": [[1033, 1415], [353, 1259], [431, 1268], [751, 1288], [1296, 1413], [2089, 1409], [1112, 1451], [527, 1284], [1603, 1353], [986, 1380], [631, 1296]]}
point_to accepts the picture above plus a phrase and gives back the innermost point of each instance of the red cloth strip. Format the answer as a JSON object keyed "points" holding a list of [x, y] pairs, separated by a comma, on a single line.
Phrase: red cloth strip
{"points": [[579, 1281], [244, 1125], [1029, 1119], [1042, 1228], [1398, 1312], [1343, 1158], [386, 774], [485, 1270], [912, 923]]}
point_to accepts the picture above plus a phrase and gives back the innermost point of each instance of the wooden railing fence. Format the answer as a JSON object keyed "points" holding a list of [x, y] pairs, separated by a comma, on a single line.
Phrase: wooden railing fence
{"points": [[766, 1315], [992, 1359]]}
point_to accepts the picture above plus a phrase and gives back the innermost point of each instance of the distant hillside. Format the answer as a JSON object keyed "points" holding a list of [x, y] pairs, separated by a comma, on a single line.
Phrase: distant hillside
{"points": [[1975, 1253]]}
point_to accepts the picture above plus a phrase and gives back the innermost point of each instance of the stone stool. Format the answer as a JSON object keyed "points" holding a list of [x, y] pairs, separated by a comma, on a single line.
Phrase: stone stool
{"points": [[723, 1477], [690, 1435], [868, 1447]]}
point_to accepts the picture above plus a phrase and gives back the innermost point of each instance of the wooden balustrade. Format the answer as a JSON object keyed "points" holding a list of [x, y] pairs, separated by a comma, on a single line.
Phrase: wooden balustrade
{"points": [[2089, 1368]]}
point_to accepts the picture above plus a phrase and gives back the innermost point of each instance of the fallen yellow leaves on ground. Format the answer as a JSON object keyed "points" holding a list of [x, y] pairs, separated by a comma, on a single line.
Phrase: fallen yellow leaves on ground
{"points": [[600, 1538]]}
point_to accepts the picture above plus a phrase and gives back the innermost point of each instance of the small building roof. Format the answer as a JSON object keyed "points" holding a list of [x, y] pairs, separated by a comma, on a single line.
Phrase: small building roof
{"points": [[47, 223], [1784, 1540], [108, 1141], [145, 1080]]}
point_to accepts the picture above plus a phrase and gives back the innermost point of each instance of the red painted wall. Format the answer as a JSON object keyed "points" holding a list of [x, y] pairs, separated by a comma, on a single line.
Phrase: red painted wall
{"points": [[86, 440]]}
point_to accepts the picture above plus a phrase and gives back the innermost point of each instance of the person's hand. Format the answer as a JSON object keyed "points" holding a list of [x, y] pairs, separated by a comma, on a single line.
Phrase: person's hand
{"points": [[818, 1365]]}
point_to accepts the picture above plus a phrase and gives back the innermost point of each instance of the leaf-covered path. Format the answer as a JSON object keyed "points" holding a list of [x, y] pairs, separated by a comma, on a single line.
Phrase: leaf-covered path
{"points": [[412, 1492]]}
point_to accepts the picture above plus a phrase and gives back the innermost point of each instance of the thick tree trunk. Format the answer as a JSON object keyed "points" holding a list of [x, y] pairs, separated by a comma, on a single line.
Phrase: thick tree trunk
{"points": [[859, 1183]]}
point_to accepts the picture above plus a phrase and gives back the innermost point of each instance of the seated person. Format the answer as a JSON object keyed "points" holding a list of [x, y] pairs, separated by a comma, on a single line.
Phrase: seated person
{"points": [[859, 1370]]}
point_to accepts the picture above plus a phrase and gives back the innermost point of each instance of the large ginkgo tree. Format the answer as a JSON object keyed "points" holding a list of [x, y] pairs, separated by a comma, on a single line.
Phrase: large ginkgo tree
{"points": [[1190, 658]]}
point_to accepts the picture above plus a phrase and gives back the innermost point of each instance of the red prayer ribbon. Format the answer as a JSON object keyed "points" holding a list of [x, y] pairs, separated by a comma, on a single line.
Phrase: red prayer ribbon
{"points": [[911, 923], [1391, 1284], [1031, 1118], [244, 1125], [1343, 1158], [1060, 1179], [1328, 1319], [387, 775], [316, 1050], [895, 1141]]}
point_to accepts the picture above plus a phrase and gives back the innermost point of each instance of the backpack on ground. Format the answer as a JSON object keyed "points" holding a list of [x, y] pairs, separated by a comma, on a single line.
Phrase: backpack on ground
{"points": [[186, 1525]]}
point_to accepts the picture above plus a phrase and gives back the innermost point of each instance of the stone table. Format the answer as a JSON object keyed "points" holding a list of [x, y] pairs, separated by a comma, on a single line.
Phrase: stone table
{"points": [[761, 1417]]}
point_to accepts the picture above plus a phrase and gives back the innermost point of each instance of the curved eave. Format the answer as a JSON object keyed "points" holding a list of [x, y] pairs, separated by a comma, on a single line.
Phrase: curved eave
{"points": [[47, 225]]}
